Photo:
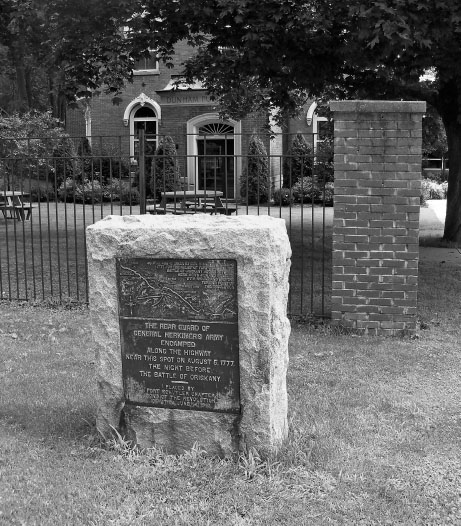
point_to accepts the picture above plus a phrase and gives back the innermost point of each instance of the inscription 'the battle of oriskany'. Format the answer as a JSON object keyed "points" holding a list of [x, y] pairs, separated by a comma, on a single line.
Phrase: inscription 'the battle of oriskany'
{"points": [[179, 333]]}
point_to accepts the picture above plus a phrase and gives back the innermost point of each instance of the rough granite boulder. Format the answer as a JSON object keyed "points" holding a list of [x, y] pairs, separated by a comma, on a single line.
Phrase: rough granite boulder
{"points": [[262, 251]]}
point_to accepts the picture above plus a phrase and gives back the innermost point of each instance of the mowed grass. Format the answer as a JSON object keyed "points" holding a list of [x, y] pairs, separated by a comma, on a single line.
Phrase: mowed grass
{"points": [[375, 432], [46, 257]]}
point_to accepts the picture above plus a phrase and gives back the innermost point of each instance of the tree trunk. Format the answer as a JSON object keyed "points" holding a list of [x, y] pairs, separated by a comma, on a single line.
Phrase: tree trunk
{"points": [[452, 230], [21, 83], [56, 98], [17, 54], [52, 94], [28, 80]]}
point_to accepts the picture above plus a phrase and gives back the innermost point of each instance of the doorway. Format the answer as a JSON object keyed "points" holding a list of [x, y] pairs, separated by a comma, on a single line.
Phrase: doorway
{"points": [[215, 170], [214, 154]]}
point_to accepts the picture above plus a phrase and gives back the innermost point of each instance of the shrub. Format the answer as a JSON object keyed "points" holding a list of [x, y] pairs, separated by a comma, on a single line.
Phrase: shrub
{"points": [[121, 191], [433, 190], [425, 194], [115, 188], [444, 186], [85, 192], [327, 193], [130, 196], [309, 190], [283, 197], [324, 167], [298, 161], [165, 174], [434, 174], [105, 169], [305, 190], [255, 179], [65, 162], [42, 193]]}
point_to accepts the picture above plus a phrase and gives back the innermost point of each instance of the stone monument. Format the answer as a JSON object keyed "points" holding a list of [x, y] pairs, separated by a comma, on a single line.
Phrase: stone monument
{"points": [[191, 333]]}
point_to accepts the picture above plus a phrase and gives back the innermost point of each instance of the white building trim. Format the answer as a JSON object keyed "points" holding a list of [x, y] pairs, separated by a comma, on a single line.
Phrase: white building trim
{"points": [[313, 120], [141, 100]]}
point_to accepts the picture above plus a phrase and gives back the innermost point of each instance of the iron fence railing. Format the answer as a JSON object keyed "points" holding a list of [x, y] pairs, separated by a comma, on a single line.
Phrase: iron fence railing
{"points": [[66, 189]]}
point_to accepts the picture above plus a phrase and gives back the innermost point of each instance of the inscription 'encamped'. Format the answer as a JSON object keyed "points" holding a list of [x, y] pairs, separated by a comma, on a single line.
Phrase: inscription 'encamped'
{"points": [[179, 333]]}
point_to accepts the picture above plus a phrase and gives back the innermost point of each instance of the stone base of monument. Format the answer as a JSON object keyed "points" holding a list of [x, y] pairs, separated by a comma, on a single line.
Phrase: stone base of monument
{"points": [[191, 332]]}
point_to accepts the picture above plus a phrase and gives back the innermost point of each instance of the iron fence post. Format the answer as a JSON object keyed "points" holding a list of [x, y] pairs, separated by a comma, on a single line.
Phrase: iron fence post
{"points": [[142, 172]]}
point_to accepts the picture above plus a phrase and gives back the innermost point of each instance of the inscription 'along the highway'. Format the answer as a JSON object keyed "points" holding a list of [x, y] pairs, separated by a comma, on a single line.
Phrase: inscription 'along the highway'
{"points": [[179, 333]]}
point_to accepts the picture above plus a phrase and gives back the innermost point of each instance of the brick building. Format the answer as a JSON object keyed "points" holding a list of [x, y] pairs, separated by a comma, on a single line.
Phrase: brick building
{"points": [[211, 152]]}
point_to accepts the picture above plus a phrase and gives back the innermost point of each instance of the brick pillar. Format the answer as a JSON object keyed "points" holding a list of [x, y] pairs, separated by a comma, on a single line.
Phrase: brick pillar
{"points": [[376, 215]]}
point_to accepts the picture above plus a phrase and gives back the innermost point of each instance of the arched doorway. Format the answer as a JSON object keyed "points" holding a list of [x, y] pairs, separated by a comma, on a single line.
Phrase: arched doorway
{"points": [[214, 154]]}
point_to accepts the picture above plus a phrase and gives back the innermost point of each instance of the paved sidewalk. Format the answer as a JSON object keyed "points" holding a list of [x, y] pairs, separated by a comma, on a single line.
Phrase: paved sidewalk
{"points": [[431, 222], [432, 218]]}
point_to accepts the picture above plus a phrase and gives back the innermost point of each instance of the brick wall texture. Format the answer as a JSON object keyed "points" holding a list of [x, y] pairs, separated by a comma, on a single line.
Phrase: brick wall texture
{"points": [[107, 126], [376, 215]]}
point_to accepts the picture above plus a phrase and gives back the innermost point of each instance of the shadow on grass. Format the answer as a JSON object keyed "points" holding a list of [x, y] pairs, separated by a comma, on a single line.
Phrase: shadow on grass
{"points": [[436, 240], [48, 384]]}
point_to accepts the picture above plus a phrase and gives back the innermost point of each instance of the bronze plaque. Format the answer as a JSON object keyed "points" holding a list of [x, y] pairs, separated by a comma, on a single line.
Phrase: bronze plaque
{"points": [[179, 333]]}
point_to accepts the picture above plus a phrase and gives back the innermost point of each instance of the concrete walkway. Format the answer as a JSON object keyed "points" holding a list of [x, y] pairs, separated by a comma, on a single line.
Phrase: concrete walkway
{"points": [[432, 221], [432, 218]]}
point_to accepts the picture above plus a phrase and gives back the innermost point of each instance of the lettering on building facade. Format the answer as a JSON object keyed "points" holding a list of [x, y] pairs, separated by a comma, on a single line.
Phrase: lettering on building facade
{"points": [[178, 98]]}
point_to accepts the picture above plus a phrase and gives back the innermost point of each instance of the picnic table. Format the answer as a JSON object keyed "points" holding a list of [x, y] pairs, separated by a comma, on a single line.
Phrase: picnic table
{"points": [[191, 201], [16, 204]]}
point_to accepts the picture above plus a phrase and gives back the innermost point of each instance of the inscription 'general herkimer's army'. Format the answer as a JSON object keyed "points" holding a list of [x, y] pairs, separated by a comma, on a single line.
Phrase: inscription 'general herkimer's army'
{"points": [[179, 333]]}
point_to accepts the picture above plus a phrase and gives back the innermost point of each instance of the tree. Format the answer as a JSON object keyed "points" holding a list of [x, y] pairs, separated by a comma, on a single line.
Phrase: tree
{"points": [[274, 54], [255, 179], [55, 51], [298, 161], [33, 145], [30, 77], [165, 171], [380, 48], [20, 34], [434, 136]]}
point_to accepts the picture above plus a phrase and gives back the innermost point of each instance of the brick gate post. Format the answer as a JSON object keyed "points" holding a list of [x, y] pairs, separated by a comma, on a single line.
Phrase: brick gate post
{"points": [[376, 215]]}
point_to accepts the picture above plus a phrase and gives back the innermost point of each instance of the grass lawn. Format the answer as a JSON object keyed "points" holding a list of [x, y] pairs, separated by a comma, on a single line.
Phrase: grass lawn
{"points": [[375, 432], [46, 257]]}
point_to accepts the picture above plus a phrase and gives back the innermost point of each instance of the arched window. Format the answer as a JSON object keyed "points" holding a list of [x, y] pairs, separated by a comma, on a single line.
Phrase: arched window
{"points": [[143, 118]]}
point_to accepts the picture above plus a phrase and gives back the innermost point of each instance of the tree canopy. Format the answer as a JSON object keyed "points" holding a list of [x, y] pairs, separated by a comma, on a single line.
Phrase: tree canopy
{"points": [[272, 54], [57, 50]]}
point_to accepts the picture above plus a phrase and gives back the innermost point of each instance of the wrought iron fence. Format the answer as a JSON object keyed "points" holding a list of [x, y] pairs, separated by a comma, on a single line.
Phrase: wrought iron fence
{"points": [[50, 193]]}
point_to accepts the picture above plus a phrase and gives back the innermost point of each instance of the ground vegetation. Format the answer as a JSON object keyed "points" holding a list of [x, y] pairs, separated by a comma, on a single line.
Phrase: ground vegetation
{"points": [[373, 439]]}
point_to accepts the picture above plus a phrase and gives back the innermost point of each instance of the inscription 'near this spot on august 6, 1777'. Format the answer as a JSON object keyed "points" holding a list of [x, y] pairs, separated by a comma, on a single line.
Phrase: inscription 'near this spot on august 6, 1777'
{"points": [[179, 333]]}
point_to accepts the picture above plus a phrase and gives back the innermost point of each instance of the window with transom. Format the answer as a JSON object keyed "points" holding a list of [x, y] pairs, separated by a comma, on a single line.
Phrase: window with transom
{"points": [[144, 118]]}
